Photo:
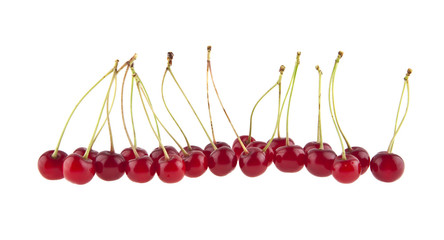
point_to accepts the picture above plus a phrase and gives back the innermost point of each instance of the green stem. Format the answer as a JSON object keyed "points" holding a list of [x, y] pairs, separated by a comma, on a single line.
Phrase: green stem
{"points": [[131, 112], [133, 146], [279, 106], [321, 143], [208, 99], [293, 78]]}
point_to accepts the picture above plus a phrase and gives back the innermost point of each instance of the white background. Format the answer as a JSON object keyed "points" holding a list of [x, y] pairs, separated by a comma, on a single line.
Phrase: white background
{"points": [[51, 52]]}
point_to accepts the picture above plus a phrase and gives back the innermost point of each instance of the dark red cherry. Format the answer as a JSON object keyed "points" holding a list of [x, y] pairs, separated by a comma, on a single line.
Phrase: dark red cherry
{"points": [[346, 171], [196, 163], [209, 148], [128, 153], [172, 170], [320, 162], [362, 155], [140, 169], [92, 153], [280, 142], [254, 162], [157, 153], [269, 153], [290, 158], [222, 161], [78, 170], [387, 167], [109, 166], [311, 145], [237, 148], [188, 150], [51, 168]]}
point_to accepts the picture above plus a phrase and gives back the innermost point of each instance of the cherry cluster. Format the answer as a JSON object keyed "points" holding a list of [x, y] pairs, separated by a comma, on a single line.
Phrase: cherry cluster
{"points": [[254, 157]]}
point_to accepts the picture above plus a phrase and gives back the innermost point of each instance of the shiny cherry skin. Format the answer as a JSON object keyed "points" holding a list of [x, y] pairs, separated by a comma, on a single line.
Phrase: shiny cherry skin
{"points": [[78, 170], [109, 165], [51, 168], [280, 142], [172, 170], [222, 161], [315, 145], [290, 158], [209, 148], [362, 155], [196, 163], [253, 163], [346, 171], [157, 153], [128, 153], [237, 148], [140, 169], [387, 167], [92, 153], [188, 150], [320, 162], [269, 153]]}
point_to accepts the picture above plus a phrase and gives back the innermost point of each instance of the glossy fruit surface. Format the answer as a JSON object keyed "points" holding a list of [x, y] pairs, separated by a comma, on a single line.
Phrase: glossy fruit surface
{"points": [[157, 153], [280, 142], [320, 162], [315, 145], [209, 148], [92, 153], [269, 153], [109, 166], [222, 161], [346, 171], [237, 148], [128, 153], [78, 170], [195, 164], [188, 150], [51, 168], [254, 162], [290, 158], [362, 155], [387, 167], [172, 170], [140, 169]]}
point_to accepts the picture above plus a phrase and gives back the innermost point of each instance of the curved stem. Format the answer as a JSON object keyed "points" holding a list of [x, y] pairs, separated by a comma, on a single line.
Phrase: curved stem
{"points": [[133, 146], [321, 143], [208, 98], [114, 78], [293, 78], [279, 106]]}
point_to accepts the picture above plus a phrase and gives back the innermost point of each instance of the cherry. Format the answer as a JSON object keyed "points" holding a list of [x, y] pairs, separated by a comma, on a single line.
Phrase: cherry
{"points": [[172, 170], [78, 170], [157, 153], [209, 148], [222, 161], [140, 169], [280, 142], [346, 170], [290, 158], [387, 167], [109, 165], [320, 162], [362, 155], [196, 163], [253, 163], [92, 153], [237, 148], [269, 153], [188, 150], [315, 145], [51, 168], [128, 153]]}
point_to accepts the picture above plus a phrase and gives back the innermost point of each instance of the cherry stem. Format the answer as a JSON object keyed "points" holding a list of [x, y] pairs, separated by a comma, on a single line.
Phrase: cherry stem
{"points": [[279, 106], [220, 101], [331, 100], [107, 114], [281, 72], [293, 78], [406, 84], [252, 112], [208, 98], [321, 143]]}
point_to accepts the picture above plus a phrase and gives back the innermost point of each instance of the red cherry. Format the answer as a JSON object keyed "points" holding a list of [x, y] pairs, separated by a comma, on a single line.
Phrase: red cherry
{"points": [[269, 153], [290, 158], [222, 161], [128, 153], [311, 145], [78, 170], [387, 167], [171, 171], [51, 168], [280, 142], [157, 153], [188, 150], [254, 162], [140, 169], [320, 162], [209, 148], [195, 164], [92, 153], [109, 166], [362, 155], [237, 148], [346, 171]]}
